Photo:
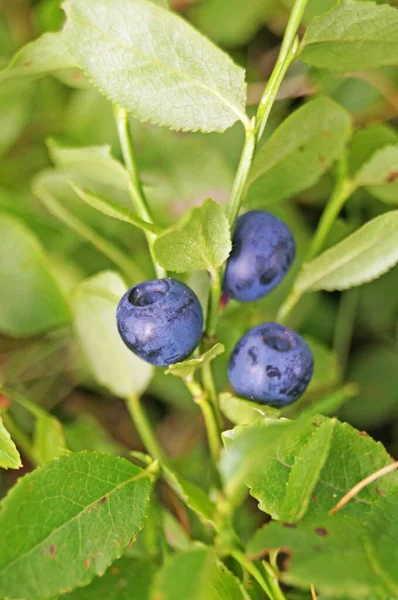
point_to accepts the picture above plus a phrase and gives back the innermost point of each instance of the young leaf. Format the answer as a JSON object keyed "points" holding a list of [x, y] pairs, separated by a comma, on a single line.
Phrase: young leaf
{"points": [[380, 173], [48, 439], [114, 210], [198, 575], [9, 455], [199, 240], [195, 497], [240, 411], [168, 75], [299, 151], [188, 367], [77, 514], [126, 579], [362, 256], [339, 555], [352, 36], [111, 363], [33, 302], [47, 54]]}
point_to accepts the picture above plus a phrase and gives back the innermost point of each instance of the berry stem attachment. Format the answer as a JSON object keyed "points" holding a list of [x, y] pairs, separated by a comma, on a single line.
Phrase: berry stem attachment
{"points": [[135, 188]]}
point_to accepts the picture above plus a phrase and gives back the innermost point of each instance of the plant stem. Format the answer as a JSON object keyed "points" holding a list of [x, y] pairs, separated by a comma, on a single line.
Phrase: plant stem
{"points": [[242, 174], [214, 303], [144, 429], [287, 53], [128, 267], [135, 188], [344, 326], [342, 191], [201, 398], [254, 572], [210, 388], [273, 582]]}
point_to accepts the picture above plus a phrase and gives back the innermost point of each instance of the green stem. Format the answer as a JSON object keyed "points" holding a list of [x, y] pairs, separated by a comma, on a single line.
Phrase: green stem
{"points": [[287, 53], [107, 248], [135, 188], [273, 582], [210, 388], [145, 430], [214, 304], [342, 191], [344, 326], [254, 572], [20, 438], [242, 174], [201, 398]]}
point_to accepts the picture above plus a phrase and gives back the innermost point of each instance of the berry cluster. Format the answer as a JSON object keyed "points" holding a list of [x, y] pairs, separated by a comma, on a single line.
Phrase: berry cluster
{"points": [[162, 321]]}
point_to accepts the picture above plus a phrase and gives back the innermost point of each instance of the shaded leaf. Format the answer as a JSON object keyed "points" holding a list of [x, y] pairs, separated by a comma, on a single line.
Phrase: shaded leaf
{"points": [[33, 302], [77, 514], [199, 240], [380, 174], [352, 36], [198, 575], [299, 151], [48, 439], [240, 411], [9, 455], [188, 367], [194, 496], [126, 579], [45, 55], [361, 257], [111, 363], [168, 75]]}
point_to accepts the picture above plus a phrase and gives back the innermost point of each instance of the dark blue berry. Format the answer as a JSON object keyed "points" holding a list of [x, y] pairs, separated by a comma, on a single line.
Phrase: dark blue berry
{"points": [[161, 321], [263, 250], [271, 364]]}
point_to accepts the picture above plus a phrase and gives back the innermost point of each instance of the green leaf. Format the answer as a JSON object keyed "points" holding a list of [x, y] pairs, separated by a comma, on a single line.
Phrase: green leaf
{"points": [[126, 579], [199, 240], [9, 455], [194, 496], [47, 54], [305, 472], [299, 151], [269, 457], [111, 363], [114, 210], [188, 367], [365, 142], [15, 101], [198, 575], [33, 303], [361, 257], [339, 555], [169, 76], [86, 433], [380, 173], [77, 514], [48, 439], [233, 23], [352, 36], [240, 411]]}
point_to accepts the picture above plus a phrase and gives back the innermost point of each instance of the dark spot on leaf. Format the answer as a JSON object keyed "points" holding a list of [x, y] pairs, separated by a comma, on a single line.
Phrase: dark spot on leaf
{"points": [[53, 549], [315, 425], [326, 134], [87, 563], [103, 500], [28, 63], [289, 525], [301, 148], [392, 176], [314, 498], [283, 560], [322, 161], [380, 492], [273, 371], [77, 75], [114, 570], [363, 434], [321, 531], [317, 548], [4, 402]]}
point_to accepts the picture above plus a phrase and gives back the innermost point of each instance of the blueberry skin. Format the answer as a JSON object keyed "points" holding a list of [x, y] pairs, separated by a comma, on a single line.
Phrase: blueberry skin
{"points": [[263, 250], [161, 321], [271, 365]]}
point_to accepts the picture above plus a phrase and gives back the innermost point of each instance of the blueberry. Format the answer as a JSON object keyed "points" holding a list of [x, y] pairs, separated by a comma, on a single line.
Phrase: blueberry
{"points": [[161, 321], [263, 250], [271, 364]]}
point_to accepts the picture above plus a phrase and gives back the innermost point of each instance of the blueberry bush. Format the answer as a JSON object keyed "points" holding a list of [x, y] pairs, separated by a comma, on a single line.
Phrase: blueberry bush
{"points": [[199, 300]]}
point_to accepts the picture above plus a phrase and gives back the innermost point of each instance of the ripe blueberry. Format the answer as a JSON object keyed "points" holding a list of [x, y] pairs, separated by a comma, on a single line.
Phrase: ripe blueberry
{"points": [[263, 250], [271, 364], [161, 321]]}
